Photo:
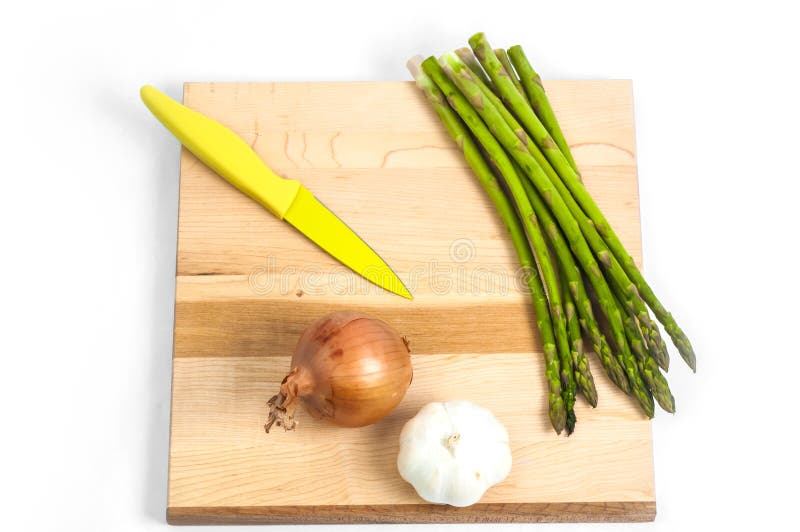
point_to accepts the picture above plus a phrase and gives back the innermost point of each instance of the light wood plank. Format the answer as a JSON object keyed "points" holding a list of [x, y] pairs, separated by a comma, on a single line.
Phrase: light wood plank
{"points": [[220, 455]]}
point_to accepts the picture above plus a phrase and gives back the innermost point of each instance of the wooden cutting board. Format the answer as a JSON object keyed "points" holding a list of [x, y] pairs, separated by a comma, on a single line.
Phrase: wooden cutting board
{"points": [[248, 284]]}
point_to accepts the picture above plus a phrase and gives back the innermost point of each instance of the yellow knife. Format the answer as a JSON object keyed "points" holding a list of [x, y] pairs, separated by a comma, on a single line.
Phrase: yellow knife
{"points": [[230, 156]]}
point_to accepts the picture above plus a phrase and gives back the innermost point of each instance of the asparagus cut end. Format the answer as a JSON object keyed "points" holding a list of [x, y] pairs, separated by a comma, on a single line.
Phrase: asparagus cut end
{"points": [[414, 65]]}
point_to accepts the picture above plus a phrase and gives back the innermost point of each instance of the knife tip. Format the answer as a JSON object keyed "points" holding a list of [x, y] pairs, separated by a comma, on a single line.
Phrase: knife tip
{"points": [[400, 289]]}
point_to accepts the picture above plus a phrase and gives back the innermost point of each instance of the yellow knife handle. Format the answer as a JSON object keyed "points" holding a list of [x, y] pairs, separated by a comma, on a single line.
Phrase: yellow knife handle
{"points": [[223, 151]]}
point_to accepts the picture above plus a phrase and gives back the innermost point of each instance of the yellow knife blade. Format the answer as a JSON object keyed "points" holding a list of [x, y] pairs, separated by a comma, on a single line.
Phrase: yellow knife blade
{"points": [[232, 158], [330, 233]]}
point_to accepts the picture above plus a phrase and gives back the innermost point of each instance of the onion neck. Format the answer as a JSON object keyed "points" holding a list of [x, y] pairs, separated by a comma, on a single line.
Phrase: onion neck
{"points": [[282, 406]]}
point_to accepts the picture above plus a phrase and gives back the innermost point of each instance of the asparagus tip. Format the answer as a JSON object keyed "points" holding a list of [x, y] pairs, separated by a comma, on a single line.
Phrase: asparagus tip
{"points": [[570, 425], [591, 397], [687, 353]]}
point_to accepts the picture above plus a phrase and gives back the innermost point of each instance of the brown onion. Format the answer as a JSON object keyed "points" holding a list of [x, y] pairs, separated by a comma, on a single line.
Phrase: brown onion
{"points": [[348, 368]]}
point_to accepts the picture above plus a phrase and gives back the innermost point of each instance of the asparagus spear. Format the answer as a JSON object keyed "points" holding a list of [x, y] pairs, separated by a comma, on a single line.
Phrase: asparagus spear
{"points": [[655, 381], [483, 51], [645, 393], [583, 374], [468, 58], [649, 330], [459, 74], [538, 100], [458, 131], [502, 56], [572, 276], [657, 348]]}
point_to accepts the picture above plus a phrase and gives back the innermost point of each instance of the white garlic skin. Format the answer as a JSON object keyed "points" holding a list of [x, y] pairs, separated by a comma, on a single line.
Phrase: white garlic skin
{"points": [[453, 452]]}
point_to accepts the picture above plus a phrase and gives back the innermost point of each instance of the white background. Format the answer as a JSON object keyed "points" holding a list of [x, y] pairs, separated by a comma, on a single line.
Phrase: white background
{"points": [[88, 213]]}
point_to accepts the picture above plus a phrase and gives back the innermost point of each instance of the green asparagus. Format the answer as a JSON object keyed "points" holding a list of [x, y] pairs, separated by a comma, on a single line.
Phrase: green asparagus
{"points": [[608, 260], [572, 276], [537, 97], [626, 289], [539, 133], [502, 56], [653, 378], [514, 145], [434, 82], [583, 374], [494, 106], [468, 58]]}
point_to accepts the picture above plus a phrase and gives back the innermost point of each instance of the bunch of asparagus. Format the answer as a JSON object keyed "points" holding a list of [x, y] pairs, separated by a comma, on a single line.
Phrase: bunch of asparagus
{"points": [[581, 278]]}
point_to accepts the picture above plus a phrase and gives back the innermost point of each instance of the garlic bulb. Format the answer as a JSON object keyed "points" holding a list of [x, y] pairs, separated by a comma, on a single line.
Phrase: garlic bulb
{"points": [[453, 452]]}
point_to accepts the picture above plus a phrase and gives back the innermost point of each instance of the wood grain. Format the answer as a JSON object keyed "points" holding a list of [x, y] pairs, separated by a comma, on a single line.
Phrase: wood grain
{"points": [[564, 512], [248, 284]]}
